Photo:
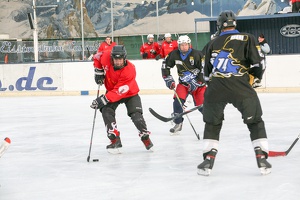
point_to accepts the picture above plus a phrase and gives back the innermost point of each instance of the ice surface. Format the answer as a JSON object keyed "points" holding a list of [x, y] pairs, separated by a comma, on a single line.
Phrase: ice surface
{"points": [[51, 136]]}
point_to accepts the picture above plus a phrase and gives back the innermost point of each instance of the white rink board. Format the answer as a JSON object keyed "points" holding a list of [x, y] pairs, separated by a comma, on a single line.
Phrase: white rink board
{"points": [[77, 78]]}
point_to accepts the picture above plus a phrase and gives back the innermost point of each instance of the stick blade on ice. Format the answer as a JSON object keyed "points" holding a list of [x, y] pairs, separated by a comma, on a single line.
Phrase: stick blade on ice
{"points": [[284, 153]]}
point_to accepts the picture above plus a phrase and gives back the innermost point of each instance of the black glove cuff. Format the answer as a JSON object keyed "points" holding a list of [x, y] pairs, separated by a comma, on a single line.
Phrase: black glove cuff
{"points": [[99, 71], [102, 100]]}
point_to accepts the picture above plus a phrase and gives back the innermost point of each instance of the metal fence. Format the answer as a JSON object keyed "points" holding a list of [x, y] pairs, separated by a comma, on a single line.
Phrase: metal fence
{"points": [[59, 50]]}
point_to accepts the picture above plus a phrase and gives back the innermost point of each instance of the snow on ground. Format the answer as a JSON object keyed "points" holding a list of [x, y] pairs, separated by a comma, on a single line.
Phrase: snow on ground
{"points": [[50, 142]]}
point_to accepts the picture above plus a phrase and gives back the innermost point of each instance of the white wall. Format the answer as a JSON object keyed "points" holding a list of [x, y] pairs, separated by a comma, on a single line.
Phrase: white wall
{"points": [[77, 78], [283, 71]]}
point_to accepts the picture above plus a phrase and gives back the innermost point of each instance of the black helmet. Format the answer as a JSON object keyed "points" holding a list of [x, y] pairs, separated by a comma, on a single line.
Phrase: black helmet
{"points": [[161, 38], [119, 51], [226, 19]]}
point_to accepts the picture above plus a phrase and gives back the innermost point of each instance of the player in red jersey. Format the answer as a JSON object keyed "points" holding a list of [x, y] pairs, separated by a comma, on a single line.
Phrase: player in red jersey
{"points": [[150, 49], [167, 46], [106, 45], [118, 75]]}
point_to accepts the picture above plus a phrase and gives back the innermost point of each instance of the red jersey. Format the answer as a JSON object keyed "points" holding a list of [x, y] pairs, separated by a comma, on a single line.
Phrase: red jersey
{"points": [[106, 47], [120, 83], [149, 48], [166, 48]]}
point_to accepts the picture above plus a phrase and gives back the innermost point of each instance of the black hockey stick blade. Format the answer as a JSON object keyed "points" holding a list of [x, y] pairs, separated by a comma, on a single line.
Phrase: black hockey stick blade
{"points": [[296, 140], [167, 119], [284, 153]]}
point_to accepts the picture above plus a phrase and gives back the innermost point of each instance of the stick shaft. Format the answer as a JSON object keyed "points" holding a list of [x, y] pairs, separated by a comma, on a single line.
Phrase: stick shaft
{"points": [[93, 128], [177, 97]]}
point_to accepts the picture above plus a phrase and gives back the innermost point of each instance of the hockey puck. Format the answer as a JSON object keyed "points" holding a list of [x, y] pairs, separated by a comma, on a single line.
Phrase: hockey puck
{"points": [[95, 160]]}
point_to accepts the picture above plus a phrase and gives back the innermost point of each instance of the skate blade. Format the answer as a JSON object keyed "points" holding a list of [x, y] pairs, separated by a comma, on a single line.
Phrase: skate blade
{"points": [[114, 151], [175, 133], [265, 171], [151, 149], [204, 172]]}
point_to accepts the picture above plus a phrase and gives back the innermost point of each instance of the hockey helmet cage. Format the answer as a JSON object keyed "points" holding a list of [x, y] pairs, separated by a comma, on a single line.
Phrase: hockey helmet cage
{"points": [[168, 35], [226, 19], [150, 36], [119, 51], [184, 39]]}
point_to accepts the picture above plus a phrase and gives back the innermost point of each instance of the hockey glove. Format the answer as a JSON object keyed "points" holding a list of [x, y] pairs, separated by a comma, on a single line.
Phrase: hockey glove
{"points": [[157, 57], [153, 51], [99, 76], [256, 83], [170, 83], [100, 102], [193, 85], [145, 55]]}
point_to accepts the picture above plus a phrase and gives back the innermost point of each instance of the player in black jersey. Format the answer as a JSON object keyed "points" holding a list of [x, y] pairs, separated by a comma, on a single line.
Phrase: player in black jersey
{"points": [[229, 60], [190, 72]]}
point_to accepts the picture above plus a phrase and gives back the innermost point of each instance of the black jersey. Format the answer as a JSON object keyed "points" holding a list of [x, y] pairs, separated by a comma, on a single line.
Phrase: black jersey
{"points": [[191, 62], [232, 54]]}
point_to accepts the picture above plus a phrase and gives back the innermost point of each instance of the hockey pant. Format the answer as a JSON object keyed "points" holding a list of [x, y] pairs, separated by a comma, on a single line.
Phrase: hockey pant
{"points": [[250, 108], [182, 91], [134, 111]]}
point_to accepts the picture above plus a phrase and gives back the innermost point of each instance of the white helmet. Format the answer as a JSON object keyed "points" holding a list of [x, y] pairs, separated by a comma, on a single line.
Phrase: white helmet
{"points": [[167, 35], [184, 39], [150, 36]]}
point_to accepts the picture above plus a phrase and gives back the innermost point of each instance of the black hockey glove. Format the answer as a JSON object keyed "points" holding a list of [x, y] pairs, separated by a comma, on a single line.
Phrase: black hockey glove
{"points": [[153, 51], [100, 102], [145, 55], [157, 57], [99, 76], [256, 70], [256, 83], [170, 83]]}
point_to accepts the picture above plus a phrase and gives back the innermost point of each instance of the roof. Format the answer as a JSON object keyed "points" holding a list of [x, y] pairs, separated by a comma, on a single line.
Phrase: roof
{"points": [[252, 17]]}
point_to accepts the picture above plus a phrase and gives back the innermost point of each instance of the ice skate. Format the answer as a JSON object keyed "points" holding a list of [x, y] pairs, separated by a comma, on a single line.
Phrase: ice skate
{"points": [[175, 130], [146, 140], [262, 163], [115, 146], [206, 166]]}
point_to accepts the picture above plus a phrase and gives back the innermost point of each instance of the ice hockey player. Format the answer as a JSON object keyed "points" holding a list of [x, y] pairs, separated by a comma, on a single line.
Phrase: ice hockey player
{"points": [[264, 49], [167, 46], [106, 45], [190, 72], [118, 75], [149, 49], [227, 64]]}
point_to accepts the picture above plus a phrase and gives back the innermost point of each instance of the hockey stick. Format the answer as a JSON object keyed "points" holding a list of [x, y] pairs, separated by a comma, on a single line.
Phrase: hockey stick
{"points": [[197, 135], [4, 146], [167, 119], [91, 141], [283, 153]]}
